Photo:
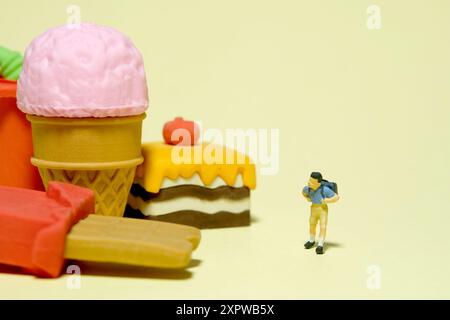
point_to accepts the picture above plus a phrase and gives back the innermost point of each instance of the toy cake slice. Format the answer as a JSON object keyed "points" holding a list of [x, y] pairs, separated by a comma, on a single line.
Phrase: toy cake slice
{"points": [[210, 188]]}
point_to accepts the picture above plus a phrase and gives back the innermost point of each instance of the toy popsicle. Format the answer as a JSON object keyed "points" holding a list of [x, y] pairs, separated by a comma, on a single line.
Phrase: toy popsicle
{"points": [[38, 230], [131, 241]]}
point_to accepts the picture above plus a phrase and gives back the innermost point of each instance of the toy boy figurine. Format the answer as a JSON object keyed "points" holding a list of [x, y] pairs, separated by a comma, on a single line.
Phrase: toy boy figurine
{"points": [[319, 192]]}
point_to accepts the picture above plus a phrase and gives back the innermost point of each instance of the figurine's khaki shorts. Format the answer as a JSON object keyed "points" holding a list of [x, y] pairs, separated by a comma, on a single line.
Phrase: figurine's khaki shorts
{"points": [[319, 212]]}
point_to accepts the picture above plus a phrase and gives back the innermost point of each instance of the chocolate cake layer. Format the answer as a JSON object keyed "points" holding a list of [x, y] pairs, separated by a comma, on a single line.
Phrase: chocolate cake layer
{"points": [[198, 192], [220, 219]]}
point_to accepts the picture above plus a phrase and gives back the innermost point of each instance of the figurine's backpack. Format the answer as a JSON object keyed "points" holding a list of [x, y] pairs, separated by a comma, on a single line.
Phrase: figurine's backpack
{"points": [[332, 185], [325, 183]]}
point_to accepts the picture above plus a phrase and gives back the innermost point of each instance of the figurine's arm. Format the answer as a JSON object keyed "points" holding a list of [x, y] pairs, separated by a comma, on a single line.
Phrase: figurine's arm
{"points": [[305, 194], [331, 200], [306, 197]]}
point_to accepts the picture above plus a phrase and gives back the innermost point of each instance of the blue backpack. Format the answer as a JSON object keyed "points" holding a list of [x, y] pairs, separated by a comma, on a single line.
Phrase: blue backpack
{"points": [[325, 183]]}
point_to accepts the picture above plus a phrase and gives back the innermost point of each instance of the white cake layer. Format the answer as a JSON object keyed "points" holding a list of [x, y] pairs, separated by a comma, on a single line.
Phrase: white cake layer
{"points": [[196, 181], [155, 208]]}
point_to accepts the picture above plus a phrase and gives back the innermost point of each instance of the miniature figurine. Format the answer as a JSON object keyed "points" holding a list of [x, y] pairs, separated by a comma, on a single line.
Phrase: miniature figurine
{"points": [[319, 192]]}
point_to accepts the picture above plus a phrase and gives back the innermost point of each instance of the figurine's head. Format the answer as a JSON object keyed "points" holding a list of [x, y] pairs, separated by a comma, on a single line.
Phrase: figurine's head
{"points": [[315, 180]]}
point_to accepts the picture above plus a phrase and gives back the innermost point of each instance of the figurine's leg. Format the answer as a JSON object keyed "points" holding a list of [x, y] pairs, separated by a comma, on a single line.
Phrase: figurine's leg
{"points": [[313, 223], [323, 230], [312, 229], [323, 224]]}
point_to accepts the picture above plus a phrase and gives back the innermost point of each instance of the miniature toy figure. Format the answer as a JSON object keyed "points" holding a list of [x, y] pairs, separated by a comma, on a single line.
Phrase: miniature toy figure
{"points": [[319, 192]]}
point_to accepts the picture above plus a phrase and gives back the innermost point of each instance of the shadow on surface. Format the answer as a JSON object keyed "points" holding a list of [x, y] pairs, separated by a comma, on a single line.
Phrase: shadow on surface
{"points": [[5, 269], [128, 271], [333, 245], [254, 220]]}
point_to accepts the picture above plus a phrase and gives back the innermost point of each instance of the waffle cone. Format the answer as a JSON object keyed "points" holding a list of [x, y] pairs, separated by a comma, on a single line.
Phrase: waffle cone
{"points": [[100, 154], [111, 187]]}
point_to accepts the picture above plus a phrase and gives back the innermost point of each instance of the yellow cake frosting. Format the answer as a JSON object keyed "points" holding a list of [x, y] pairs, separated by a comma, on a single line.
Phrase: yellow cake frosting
{"points": [[207, 160]]}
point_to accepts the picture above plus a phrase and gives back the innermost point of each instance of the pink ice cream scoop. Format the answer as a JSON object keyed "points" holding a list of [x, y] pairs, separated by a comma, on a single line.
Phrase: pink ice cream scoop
{"points": [[82, 70]]}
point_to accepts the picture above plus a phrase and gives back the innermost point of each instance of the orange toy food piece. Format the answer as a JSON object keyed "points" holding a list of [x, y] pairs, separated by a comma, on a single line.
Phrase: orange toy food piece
{"points": [[16, 147], [176, 130], [39, 230], [34, 225]]}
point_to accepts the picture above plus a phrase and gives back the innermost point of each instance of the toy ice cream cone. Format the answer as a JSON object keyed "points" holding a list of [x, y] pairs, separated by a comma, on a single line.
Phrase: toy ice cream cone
{"points": [[101, 154], [85, 93]]}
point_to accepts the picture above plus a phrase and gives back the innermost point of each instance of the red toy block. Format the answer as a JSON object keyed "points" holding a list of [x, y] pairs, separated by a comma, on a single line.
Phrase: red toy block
{"points": [[16, 146], [34, 225]]}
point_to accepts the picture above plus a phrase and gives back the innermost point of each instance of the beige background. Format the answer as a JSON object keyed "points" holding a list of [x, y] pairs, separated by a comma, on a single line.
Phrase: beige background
{"points": [[369, 108]]}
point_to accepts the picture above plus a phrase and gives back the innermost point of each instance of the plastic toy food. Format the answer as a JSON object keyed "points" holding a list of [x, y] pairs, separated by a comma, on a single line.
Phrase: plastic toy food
{"points": [[132, 241], [34, 224], [38, 230], [204, 194], [85, 92], [83, 71], [10, 64], [15, 141], [101, 154], [188, 135]]}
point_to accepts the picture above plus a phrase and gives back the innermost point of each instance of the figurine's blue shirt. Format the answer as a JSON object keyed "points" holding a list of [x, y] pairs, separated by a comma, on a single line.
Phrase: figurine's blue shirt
{"points": [[316, 196]]}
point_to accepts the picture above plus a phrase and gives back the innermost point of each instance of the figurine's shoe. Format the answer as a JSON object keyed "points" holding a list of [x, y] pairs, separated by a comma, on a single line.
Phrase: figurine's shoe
{"points": [[309, 245], [319, 250]]}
